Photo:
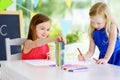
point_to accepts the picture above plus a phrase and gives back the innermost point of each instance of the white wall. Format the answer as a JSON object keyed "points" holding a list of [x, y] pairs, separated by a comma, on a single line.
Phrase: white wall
{"points": [[12, 6]]}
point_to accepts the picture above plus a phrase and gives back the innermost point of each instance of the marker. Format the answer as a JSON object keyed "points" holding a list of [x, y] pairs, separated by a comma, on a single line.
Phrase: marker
{"points": [[62, 52], [81, 54], [69, 66], [52, 65], [78, 69]]}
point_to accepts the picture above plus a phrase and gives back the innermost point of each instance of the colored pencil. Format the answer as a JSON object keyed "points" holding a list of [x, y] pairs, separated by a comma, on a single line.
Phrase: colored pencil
{"points": [[81, 54], [95, 59]]}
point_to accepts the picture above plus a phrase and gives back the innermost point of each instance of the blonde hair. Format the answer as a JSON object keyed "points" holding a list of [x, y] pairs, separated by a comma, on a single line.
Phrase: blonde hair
{"points": [[101, 8]]}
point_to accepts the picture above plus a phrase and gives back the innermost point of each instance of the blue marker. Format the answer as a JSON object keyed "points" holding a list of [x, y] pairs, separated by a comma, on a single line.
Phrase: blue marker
{"points": [[62, 53]]}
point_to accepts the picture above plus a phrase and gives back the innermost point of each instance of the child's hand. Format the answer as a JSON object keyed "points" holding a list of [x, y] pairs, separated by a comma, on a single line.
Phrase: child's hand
{"points": [[102, 61], [48, 56], [61, 38], [81, 58]]}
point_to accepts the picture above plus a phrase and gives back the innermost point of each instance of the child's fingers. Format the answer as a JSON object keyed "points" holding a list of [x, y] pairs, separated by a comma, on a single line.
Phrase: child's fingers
{"points": [[61, 38], [101, 61], [80, 58], [48, 56]]}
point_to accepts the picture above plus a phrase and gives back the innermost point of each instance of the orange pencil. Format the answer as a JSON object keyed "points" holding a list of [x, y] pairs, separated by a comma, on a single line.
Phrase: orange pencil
{"points": [[81, 54]]}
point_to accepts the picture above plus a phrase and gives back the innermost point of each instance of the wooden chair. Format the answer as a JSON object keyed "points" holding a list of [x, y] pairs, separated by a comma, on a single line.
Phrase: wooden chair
{"points": [[13, 42]]}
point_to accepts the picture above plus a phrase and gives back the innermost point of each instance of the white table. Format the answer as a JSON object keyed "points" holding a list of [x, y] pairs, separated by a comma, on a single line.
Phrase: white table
{"points": [[19, 70]]}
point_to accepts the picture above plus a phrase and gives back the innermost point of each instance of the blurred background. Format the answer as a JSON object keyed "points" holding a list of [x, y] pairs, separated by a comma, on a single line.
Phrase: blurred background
{"points": [[70, 17]]}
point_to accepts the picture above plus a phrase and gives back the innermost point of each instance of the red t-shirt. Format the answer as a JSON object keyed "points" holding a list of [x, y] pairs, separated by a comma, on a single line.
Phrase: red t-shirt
{"points": [[36, 53]]}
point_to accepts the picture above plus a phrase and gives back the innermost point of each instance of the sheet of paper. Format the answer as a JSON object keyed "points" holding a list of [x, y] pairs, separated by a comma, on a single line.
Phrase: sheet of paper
{"points": [[76, 61], [40, 62]]}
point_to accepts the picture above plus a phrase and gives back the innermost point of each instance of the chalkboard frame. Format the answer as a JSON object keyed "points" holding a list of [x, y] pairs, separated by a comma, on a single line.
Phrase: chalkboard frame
{"points": [[19, 13]]}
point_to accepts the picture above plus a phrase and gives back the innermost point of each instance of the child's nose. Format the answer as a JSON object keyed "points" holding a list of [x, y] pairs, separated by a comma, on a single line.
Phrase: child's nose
{"points": [[95, 25], [45, 32]]}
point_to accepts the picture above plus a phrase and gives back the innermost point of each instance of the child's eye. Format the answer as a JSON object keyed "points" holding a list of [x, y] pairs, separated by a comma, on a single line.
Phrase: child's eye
{"points": [[42, 28]]}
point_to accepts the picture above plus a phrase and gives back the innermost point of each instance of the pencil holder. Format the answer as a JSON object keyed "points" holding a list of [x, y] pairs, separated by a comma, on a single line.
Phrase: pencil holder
{"points": [[59, 51]]}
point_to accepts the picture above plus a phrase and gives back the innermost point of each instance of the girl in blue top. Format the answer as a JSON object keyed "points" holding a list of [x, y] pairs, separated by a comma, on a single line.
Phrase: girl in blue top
{"points": [[104, 34]]}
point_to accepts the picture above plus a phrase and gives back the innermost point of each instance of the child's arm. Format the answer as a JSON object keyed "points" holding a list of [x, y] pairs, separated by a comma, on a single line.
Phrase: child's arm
{"points": [[90, 52], [29, 44], [111, 46]]}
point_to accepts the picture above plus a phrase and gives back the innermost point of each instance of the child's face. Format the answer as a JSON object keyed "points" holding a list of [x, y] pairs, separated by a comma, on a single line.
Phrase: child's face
{"points": [[42, 29], [98, 21]]}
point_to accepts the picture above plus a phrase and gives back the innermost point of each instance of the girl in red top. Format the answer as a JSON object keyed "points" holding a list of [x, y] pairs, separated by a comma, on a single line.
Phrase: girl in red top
{"points": [[36, 47]]}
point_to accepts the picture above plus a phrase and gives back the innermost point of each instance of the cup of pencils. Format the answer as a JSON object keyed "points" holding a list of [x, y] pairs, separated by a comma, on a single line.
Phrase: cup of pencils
{"points": [[59, 53]]}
